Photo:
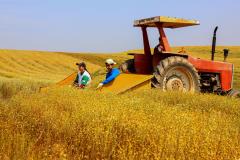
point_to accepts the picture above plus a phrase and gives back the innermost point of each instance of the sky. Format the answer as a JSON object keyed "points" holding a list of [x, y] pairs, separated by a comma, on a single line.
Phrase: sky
{"points": [[107, 25]]}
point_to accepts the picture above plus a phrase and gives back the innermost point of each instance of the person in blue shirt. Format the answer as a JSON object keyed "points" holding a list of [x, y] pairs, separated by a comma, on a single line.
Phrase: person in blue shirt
{"points": [[112, 73]]}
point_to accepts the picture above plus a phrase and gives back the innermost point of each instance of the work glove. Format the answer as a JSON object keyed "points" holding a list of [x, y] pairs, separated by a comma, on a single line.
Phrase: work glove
{"points": [[100, 86]]}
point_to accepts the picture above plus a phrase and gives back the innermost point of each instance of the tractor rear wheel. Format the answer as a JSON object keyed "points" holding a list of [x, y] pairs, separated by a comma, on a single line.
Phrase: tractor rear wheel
{"points": [[234, 93], [127, 66], [176, 74]]}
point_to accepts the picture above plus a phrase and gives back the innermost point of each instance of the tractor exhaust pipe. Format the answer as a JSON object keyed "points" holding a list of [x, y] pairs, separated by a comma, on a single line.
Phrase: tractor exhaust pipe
{"points": [[214, 42]]}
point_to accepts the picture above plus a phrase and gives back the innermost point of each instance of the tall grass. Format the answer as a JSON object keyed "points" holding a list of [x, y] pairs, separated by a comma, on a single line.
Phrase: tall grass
{"points": [[11, 87], [73, 124], [65, 123]]}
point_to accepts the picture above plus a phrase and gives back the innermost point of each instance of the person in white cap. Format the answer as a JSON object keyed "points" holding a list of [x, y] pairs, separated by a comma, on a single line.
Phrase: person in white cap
{"points": [[112, 72]]}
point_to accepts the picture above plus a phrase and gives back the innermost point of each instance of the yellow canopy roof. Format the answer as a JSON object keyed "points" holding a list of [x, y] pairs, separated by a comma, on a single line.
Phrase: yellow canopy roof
{"points": [[167, 22]]}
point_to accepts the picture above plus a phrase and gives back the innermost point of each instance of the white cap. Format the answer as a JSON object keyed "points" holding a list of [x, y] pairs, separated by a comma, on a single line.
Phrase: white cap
{"points": [[110, 61]]}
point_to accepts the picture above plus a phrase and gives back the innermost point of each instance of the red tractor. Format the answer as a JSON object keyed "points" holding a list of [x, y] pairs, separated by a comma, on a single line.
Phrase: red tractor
{"points": [[179, 71], [170, 71]]}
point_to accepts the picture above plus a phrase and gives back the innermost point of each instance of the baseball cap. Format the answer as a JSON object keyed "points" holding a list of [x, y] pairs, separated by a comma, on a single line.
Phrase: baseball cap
{"points": [[110, 61], [81, 64]]}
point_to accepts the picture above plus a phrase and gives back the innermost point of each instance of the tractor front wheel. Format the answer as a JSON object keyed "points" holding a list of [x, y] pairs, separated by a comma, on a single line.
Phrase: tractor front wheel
{"points": [[234, 93], [176, 74]]}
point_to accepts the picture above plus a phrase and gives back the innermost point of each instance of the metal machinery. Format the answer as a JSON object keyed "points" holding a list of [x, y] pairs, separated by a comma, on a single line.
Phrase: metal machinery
{"points": [[170, 71], [178, 71]]}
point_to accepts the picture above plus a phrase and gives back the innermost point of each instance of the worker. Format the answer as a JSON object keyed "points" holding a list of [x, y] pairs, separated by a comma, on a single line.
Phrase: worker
{"points": [[83, 77], [112, 73], [159, 48]]}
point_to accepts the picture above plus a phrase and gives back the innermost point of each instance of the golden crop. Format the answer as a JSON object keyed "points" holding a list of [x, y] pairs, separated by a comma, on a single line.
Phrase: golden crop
{"points": [[67, 123], [38, 66]]}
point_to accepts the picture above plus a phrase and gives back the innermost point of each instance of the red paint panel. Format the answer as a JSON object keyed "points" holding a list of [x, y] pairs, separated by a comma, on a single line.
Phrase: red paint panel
{"points": [[164, 40], [224, 69], [143, 64], [147, 49]]}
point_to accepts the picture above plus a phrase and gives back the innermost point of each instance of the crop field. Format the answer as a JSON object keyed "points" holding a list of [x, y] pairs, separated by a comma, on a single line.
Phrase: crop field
{"points": [[67, 123]]}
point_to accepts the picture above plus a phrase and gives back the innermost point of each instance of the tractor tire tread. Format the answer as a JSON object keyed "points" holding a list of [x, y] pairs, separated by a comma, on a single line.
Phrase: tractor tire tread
{"points": [[165, 64]]}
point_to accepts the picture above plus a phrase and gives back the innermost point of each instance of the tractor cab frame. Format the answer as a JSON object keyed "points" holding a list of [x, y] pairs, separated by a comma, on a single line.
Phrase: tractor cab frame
{"points": [[144, 64]]}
